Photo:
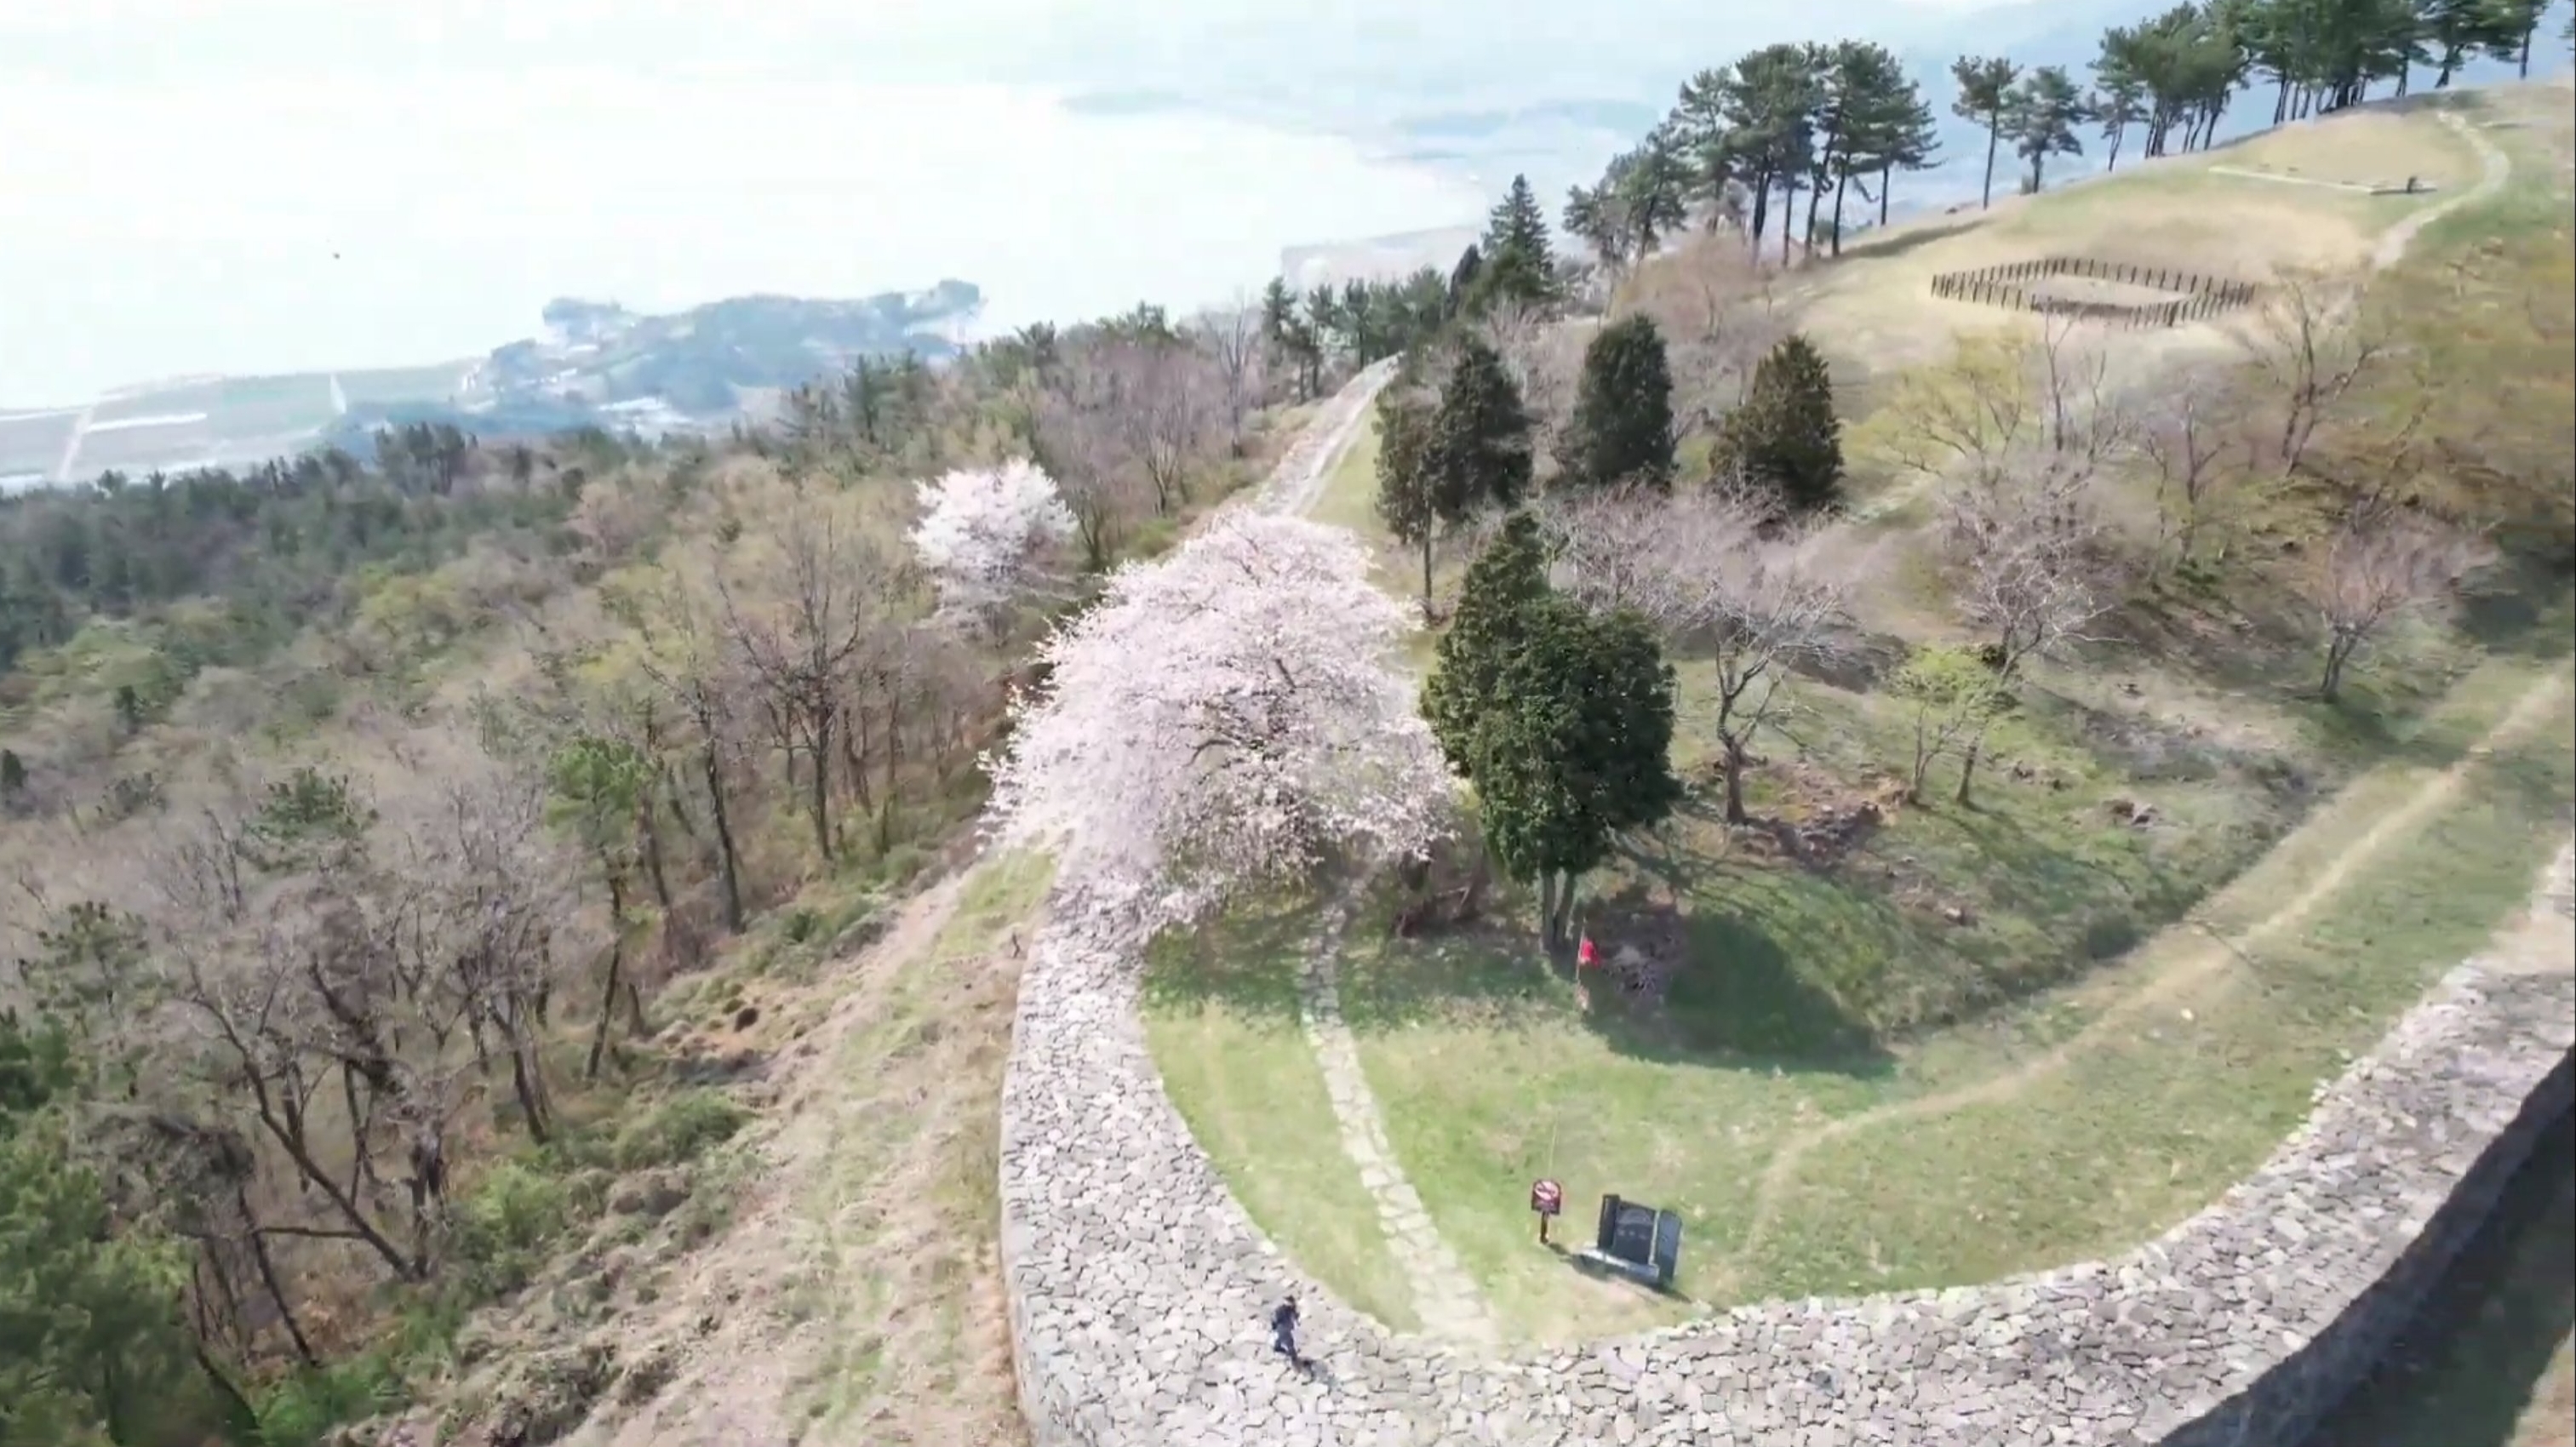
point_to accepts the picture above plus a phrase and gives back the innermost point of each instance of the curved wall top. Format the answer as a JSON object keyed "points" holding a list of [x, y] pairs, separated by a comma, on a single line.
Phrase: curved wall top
{"points": [[1140, 1289]]}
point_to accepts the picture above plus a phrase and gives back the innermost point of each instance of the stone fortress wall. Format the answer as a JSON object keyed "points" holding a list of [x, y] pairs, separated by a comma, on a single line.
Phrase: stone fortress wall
{"points": [[1139, 1288]]}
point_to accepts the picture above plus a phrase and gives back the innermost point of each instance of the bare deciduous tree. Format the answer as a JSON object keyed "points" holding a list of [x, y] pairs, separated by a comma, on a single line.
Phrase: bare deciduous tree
{"points": [[1706, 569], [284, 974], [802, 646], [1722, 312], [2313, 342], [1231, 338], [2028, 541], [1541, 358], [1967, 418], [684, 655], [2382, 564], [1162, 401], [1079, 440], [2072, 373], [2191, 440]]}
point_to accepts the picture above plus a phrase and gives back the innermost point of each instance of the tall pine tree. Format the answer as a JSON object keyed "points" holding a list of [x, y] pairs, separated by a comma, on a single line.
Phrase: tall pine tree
{"points": [[2041, 114], [1479, 448], [2456, 30], [1519, 258], [1622, 427], [1984, 83], [1892, 130], [1405, 499]]}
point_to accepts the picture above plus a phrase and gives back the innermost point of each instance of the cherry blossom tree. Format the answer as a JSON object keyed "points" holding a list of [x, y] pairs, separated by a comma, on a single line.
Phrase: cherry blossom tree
{"points": [[985, 533], [1226, 718]]}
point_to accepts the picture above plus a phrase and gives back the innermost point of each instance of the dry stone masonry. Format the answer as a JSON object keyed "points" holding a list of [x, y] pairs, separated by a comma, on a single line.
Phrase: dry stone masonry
{"points": [[1140, 1289]]}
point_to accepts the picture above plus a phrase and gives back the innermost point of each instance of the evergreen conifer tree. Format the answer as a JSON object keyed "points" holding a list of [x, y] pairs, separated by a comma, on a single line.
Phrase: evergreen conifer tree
{"points": [[1786, 437], [1506, 580], [1984, 83], [1406, 500], [1519, 259], [1479, 449], [1575, 749], [1622, 427], [1463, 278]]}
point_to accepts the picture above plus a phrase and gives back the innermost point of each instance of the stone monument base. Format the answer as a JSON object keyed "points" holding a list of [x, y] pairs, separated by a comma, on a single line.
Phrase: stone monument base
{"points": [[1642, 1273]]}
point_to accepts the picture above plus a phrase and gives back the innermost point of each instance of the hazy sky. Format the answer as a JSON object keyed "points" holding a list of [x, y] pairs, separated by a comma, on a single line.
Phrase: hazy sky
{"points": [[175, 175]]}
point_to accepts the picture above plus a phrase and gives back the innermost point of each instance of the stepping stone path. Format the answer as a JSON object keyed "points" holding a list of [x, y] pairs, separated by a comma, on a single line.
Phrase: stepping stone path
{"points": [[1444, 1296]]}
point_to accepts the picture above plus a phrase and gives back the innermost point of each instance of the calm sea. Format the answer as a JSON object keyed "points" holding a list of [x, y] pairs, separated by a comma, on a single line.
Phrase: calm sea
{"points": [[151, 232]]}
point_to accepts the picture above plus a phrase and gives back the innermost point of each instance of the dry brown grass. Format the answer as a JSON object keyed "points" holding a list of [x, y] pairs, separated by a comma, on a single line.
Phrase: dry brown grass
{"points": [[852, 1293], [1874, 311], [2368, 147]]}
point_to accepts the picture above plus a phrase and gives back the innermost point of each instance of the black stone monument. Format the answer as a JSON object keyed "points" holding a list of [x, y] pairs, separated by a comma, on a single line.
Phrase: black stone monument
{"points": [[1638, 1241]]}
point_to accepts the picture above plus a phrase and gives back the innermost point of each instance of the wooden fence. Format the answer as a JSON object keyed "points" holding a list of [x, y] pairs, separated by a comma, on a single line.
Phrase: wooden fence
{"points": [[2199, 297]]}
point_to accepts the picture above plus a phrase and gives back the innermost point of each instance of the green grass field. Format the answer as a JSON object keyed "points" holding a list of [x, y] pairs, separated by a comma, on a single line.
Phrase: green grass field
{"points": [[1984, 1039], [2072, 1125], [1221, 1018]]}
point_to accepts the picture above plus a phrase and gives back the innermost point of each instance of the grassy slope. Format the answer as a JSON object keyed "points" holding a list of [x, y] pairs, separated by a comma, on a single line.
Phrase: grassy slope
{"points": [[897, 1117], [915, 1348], [2169, 212], [1221, 1017], [1489, 1076]]}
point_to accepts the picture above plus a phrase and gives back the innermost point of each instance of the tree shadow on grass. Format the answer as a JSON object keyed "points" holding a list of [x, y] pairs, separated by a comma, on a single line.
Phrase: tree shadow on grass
{"points": [[2523, 608], [1741, 1001], [1247, 961], [2264, 645], [1736, 1001], [1946, 915]]}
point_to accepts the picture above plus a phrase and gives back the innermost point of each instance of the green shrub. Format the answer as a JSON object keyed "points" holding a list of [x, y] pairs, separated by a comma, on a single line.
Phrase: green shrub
{"points": [[505, 1225], [678, 1129], [903, 863], [300, 1410], [1153, 537]]}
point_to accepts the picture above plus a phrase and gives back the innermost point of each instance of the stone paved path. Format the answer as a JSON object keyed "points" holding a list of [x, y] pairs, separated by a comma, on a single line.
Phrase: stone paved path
{"points": [[1444, 1295]]}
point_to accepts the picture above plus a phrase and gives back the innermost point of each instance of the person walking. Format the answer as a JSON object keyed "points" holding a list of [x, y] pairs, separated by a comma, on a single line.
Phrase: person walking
{"points": [[1283, 1334]]}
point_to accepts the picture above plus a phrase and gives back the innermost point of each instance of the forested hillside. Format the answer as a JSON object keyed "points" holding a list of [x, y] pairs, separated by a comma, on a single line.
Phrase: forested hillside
{"points": [[363, 826], [410, 864]]}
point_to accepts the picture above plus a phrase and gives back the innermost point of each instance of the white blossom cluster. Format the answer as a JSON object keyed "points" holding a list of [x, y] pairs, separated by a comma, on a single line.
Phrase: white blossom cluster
{"points": [[1226, 717], [984, 533]]}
